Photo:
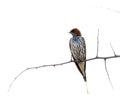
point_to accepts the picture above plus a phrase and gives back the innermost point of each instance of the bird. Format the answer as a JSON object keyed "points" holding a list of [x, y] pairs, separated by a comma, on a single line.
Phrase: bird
{"points": [[78, 52]]}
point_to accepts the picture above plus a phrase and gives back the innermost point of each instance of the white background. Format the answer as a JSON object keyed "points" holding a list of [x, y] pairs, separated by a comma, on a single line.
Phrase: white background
{"points": [[34, 33]]}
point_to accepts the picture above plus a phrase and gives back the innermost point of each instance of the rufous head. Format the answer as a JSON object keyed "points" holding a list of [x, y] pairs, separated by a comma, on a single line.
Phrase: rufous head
{"points": [[75, 32]]}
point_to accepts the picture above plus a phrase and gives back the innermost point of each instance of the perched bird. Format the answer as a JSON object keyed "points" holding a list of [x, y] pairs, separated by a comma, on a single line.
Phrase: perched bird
{"points": [[78, 51]]}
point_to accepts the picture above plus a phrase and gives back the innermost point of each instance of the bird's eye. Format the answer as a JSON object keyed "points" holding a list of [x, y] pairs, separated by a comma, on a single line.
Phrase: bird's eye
{"points": [[72, 31]]}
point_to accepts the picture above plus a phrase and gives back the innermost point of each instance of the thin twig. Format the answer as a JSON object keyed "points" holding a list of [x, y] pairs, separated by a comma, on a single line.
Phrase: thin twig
{"points": [[17, 77], [35, 68], [112, 49], [108, 73], [97, 44]]}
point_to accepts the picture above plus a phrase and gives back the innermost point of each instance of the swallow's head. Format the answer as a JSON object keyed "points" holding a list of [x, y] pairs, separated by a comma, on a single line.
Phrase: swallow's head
{"points": [[75, 32]]}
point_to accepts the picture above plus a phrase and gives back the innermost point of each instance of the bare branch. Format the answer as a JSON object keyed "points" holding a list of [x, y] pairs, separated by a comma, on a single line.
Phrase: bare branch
{"points": [[112, 49], [17, 77], [109, 57], [108, 73], [63, 63], [35, 68], [97, 43]]}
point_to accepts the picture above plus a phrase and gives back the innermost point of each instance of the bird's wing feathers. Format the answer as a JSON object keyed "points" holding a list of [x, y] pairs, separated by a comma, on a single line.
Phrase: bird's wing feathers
{"points": [[81, 67], [78, 50]]}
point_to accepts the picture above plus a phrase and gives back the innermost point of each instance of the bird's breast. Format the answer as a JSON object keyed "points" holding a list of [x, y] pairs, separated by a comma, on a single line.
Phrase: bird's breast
{"points": [[77, 49]]}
